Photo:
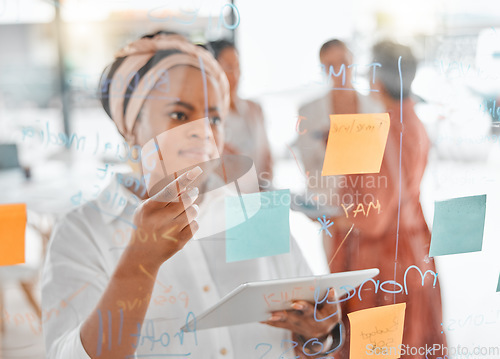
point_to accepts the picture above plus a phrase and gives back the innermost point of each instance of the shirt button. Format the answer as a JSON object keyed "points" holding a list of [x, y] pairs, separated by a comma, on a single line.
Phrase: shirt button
{"points": [[223, 351], [206, 288]]}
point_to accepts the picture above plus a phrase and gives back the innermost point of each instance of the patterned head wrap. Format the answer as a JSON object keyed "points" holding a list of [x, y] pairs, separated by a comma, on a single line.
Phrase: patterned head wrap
{"points": [[126, 83]]}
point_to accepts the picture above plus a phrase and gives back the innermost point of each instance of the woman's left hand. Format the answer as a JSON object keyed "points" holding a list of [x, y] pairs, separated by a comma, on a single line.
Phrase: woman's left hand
{"points": [[307, 319]]}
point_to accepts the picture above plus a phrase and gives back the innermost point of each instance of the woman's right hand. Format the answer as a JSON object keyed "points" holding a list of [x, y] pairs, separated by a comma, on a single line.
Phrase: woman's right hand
{"points": [[166, 221]]}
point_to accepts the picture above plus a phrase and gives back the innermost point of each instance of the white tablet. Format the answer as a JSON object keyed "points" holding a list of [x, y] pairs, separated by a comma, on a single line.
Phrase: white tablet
{"points": [[254, 301]]}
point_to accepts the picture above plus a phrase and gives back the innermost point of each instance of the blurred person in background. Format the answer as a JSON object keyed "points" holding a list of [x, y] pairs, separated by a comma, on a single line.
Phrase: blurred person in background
{"points": [[112, 298], [245, 129], [376, 237], [314, 126]]}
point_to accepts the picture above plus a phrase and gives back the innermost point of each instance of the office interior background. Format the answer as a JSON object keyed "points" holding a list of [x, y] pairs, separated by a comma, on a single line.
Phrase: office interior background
{"points": [[52, 53]]}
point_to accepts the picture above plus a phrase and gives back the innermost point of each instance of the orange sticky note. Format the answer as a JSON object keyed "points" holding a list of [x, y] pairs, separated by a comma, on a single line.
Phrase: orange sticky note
{"points": [[12, 228], [356, 143], [377, 332]]}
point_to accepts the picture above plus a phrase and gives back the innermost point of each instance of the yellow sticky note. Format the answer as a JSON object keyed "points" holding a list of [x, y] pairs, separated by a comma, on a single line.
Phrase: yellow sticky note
{"points": [[356, 143], [377, 332], [12, 228]]}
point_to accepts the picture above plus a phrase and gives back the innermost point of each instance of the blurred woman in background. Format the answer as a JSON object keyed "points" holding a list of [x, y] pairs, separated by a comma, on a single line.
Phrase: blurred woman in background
{"points": [[245, 129]]}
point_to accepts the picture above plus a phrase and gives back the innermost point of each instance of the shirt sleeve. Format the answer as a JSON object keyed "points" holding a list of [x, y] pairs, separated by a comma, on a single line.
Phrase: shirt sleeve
{"points": [[297, 265], [69, 345], [303, 268], [73, 280]]}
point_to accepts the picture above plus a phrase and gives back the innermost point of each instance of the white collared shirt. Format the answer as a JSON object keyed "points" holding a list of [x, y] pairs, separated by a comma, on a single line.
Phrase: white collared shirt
{"points": [[84, 251]]}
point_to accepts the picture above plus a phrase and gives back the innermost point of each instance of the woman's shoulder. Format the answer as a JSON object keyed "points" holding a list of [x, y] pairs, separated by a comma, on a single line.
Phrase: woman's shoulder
{"points": [[251, 103], [77, 226], [249, 107], [92, 220]]}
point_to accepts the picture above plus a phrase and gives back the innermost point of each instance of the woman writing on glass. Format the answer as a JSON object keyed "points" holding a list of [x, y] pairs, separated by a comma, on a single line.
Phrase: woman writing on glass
{"points": [[112, 298]]}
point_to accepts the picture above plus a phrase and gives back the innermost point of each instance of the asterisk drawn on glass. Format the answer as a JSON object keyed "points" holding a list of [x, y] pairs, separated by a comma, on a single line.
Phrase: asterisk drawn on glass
{"points": [[325, 224]]}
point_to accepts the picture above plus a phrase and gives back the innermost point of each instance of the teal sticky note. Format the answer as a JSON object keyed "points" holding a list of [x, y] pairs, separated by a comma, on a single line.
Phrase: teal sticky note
{"points": [[498, 286], [458, 226], [257, 225]]}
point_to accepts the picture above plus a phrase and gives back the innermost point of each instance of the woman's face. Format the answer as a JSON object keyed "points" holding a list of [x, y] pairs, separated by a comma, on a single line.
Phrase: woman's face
{"points": [[174, 120], [230, 63]]}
